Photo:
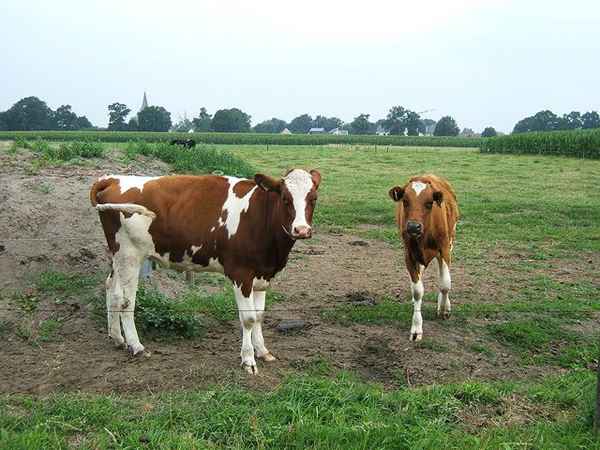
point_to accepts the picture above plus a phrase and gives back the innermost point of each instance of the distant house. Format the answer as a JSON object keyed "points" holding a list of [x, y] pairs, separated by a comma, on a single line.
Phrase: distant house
{"points": [[316, 131], [339, 132], [381, 131], [285, 131]]}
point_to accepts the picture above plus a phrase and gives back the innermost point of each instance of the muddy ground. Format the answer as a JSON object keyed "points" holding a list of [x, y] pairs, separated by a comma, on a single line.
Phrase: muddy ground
{"points": [[51, 210]]}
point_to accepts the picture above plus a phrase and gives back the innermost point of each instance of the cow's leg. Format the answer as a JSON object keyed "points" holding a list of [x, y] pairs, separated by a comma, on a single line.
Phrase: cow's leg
{"points": [[127, 271], [416, 271], [445, 284], [258, 341], [114, 298], [245, 304]]}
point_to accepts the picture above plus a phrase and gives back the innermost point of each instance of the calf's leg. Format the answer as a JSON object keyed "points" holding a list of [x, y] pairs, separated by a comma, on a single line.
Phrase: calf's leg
{"points": [[114, 299], [416, 330], [127, 270], [258, 341], [445, 283], [246, 309]]}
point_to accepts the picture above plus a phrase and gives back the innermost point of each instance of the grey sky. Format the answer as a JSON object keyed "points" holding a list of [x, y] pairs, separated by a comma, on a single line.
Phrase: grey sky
{"points": [[483, 62]]}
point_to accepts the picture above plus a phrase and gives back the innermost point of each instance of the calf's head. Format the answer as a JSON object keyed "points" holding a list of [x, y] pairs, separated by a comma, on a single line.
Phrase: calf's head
{"points": [[418, 200], [297, 192]]}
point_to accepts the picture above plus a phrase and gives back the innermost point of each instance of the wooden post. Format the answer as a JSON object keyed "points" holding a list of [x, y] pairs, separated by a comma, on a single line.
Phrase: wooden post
{"points": [[189, 277], [597, 418]]}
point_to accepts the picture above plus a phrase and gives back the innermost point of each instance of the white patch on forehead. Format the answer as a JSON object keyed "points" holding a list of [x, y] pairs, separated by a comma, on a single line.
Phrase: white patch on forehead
{"points": [[234, 206], [418, 187], [299, 183], [127, 182]]}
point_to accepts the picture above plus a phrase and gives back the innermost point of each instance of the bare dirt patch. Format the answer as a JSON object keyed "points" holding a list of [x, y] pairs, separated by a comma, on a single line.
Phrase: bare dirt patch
{"points": [[64, 235]]}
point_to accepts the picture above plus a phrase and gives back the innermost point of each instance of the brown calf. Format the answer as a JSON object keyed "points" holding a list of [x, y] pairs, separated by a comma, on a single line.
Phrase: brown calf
{"points": [[242, 228], [426, 214]]}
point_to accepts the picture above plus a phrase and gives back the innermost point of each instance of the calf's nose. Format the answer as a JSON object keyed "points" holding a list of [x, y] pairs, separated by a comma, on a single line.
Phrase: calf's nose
{"points": [[414, 227], [302, 232]]}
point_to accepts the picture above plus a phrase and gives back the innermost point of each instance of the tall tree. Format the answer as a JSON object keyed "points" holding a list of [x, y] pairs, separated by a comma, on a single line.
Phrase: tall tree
{"points": [[361, 124], [590, 120], [3, 125], [329, 123], [571, 121], [183, 125], [83, 123], [230, 121], [489, 132], [446, 126], [65, 119], [154, 118], [273, 125], [29, 113], [202, 122], [117, 113], [301, 124], [401, 120]]}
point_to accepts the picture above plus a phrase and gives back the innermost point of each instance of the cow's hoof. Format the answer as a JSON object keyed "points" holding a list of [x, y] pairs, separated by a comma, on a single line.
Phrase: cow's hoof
{"points": [[415, 337], [251, 369], [135, 350], [119, 342], [446, 315], [267, 357]]}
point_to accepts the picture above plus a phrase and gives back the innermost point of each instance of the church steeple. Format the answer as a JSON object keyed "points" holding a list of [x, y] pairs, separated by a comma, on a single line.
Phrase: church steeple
{"points": [[144, 102]]}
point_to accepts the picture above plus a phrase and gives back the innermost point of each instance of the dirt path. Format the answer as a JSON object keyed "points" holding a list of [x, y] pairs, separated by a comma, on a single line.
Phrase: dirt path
{"points": [[53, 204]]}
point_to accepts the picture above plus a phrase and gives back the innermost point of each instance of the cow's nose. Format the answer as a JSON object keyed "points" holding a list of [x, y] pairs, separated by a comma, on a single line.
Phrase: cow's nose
{"points": [[302, 232], [414, 228]]}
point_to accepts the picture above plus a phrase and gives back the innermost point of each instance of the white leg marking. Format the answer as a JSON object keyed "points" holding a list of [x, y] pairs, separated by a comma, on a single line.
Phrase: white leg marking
{"points": [[445, 284], [247, 319], [416, 330], [258, 341], [128, 267], [114, 298]]}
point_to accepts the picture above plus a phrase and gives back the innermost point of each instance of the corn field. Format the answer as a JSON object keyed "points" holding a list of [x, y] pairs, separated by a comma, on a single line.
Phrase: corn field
{"points": [[578, 143], [243, 138]]}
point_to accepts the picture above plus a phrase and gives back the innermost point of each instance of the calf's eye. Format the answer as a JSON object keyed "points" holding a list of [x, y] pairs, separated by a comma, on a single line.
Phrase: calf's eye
{"points": [[429, 205]]}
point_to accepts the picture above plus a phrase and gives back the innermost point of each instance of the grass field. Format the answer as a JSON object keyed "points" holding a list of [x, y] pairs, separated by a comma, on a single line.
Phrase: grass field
{"points": [[528, 239]]}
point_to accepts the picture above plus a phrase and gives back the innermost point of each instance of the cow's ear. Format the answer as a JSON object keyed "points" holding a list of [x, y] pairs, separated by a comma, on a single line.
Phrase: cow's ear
{"points": [[396, 193], [267, 183], [438, 197], [316, 177]]}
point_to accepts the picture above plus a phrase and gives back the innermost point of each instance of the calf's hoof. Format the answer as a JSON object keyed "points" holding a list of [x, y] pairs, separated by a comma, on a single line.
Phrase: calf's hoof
{"points": [[250, 368], [415, 337], [118, 341], [444, 315], [135, 350], [267, 357]]}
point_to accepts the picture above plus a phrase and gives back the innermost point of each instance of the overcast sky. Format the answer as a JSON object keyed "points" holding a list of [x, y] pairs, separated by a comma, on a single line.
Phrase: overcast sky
{"points": [[483, 62]]}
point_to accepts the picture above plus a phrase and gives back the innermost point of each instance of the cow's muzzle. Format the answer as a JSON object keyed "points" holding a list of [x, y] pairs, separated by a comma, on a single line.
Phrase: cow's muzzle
{"points": [[302, 232], [414, 229]]}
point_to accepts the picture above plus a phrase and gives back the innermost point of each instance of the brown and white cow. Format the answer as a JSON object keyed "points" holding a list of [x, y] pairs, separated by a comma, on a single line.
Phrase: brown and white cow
{"points": [[426, 214], [242, 228]]}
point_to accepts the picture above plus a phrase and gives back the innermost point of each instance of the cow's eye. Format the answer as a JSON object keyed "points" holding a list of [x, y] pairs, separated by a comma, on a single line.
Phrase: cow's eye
{"points": [[286, 201], [429, 205], [405, 203]]}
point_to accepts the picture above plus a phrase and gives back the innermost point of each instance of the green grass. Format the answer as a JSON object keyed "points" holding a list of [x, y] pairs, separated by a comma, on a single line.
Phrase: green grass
{"points": [[309, 411]]}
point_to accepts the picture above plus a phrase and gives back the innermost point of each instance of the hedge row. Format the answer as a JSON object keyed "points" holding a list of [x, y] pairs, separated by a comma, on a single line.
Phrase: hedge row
{"points": [[244, 138], [578, 143]]}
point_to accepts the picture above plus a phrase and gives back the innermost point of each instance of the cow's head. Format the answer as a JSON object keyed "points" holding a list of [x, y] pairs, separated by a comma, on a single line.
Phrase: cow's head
{"points": [[298, 194], [418, 199]]}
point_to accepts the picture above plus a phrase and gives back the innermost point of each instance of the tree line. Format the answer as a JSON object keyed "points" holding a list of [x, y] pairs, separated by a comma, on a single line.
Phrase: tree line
{"points": [[31, 113]]}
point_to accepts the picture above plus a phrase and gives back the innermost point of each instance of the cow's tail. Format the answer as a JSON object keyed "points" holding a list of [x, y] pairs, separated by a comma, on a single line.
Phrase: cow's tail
{"points": [[98, 187], [126, 208]]}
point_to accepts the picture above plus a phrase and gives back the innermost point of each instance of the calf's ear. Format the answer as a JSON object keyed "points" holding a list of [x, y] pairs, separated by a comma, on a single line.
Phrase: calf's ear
{"points": [[438, 197], [396, 193], [316, 177], [267, 183]]}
